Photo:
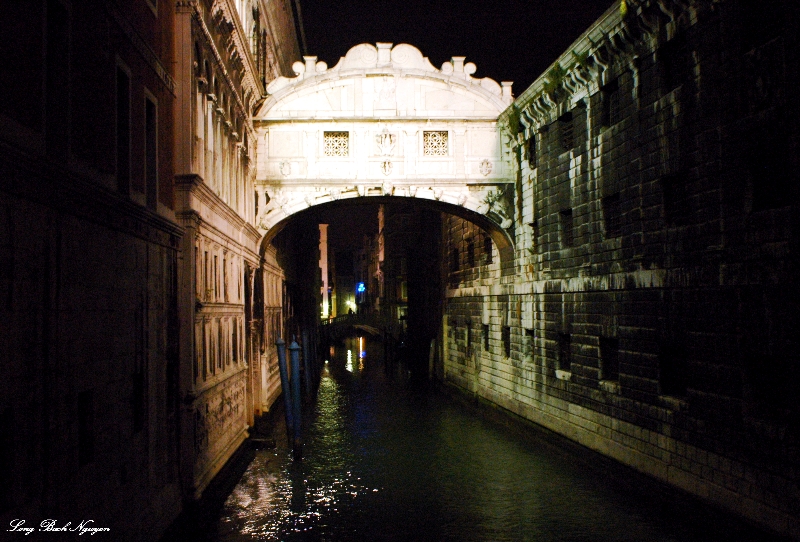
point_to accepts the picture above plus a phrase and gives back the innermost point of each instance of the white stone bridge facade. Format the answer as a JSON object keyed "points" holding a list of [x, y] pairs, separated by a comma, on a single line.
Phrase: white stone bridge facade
{"points": [[385, 122]]}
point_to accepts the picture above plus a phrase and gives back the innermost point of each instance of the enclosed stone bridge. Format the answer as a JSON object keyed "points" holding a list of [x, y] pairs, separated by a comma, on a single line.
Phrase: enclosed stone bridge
{"points": [[384, 122]]}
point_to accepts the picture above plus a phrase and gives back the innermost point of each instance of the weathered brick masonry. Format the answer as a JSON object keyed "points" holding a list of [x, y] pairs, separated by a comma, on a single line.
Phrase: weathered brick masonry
{"points": [[652, 312]]}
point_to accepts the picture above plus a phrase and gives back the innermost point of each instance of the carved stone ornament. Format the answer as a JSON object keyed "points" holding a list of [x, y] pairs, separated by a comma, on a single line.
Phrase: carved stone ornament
{"points": [[386, 167], [485, 167], [385, 142], [286, 168]]}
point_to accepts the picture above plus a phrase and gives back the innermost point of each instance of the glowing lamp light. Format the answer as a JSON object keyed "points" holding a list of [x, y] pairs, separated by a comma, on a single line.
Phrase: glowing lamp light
{"points": [[361, 288]]}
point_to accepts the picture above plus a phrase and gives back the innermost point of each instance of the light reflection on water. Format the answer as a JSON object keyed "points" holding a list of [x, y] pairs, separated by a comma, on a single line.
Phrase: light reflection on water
{"points": [[386, 460]]}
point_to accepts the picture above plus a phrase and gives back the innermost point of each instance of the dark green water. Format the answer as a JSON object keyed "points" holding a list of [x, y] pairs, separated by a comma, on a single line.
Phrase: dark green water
{"points": [[388, 459]]}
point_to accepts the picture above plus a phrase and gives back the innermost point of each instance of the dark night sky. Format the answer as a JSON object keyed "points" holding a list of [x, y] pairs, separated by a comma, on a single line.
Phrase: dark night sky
{"points": [[509, 40]]}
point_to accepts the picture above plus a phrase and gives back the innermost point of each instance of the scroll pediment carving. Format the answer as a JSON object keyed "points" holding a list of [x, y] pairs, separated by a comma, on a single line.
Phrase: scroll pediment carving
{"points": [[384, 58]]}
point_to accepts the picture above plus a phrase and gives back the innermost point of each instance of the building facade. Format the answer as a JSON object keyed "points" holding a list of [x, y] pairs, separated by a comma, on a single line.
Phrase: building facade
{"points": [[89, 252], [652, 310], [139, 302], [230, 285]]}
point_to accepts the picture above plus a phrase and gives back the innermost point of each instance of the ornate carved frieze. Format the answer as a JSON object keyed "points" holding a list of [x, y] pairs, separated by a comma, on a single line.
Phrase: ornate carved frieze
{"points": [[230, 65]]}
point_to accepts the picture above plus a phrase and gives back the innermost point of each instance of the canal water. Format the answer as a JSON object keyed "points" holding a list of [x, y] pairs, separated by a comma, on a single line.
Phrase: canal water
{"points": [[388, 458]]}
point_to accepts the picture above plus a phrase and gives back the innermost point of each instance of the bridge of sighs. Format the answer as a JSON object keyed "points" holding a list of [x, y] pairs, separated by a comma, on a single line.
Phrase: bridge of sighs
{"points": [[385, 122]]}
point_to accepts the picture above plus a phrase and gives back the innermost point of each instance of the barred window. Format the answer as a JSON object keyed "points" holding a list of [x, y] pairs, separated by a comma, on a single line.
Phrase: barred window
{"points": [[566, 131], [507, 341], [434, 143], [610, 95], [337, 143]]}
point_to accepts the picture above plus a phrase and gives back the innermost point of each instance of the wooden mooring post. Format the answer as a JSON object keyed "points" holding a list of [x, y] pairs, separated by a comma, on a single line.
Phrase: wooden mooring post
{"points": [[287, 397], [297, 442]]}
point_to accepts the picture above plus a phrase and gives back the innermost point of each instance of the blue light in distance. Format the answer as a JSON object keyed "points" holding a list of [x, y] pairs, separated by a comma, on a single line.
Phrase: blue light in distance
{"points": [[361, 288]]}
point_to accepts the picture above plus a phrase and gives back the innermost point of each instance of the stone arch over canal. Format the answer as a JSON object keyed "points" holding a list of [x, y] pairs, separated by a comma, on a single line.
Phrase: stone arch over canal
{"points": [[384, 122]]}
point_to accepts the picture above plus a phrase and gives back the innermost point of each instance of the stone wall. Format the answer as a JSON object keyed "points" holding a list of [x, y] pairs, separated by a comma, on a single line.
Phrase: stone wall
{"points": [[653, 308], [88, 268]]}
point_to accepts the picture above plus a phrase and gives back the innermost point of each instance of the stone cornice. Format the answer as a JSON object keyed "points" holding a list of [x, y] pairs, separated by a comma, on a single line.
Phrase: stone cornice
{"points": [[376, 119], [221, 65], [240, 39], [626, 28], [194, 184]]}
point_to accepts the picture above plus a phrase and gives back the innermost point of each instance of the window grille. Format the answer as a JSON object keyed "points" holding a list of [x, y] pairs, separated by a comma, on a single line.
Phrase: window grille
{"points": [[434, 143], [337, 144]]}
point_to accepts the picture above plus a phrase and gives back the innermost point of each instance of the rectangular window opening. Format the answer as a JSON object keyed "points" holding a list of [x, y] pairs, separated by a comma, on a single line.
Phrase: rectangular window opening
{"points": [[123, 131], [672, 363], [531, 152], [530, 343], [507, 341], [610, 95], [564, 351], [151, 153], [769, 167], [215, 272], [434, 143], [609, 358], [611, 215], [674, 60], [336, 144], [566, 131], [485, 337], [677, 207], [567, 233]]}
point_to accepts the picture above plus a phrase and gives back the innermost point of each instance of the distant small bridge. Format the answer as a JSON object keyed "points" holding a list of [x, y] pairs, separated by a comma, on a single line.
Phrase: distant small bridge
{"points": [[340, 326]]}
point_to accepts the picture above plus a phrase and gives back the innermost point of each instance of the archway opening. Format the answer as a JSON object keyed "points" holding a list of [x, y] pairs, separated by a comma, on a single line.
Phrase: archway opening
{"points": [[381, 260]]}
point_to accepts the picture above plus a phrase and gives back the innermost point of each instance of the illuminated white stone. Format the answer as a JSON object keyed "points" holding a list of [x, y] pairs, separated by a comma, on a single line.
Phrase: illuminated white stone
{"points": [[382, 121]]}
